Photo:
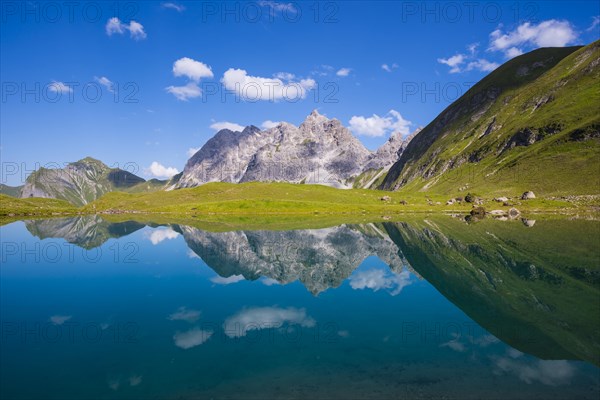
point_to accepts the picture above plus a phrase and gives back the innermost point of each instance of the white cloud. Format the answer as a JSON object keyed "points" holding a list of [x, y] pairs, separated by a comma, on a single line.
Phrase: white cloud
{"points": [[115, 26], [547, 372], [192, 150], [269, 281], [268, 124], [104, 81], [455, 345], [135, 380], [453, 62], [482, 65], [284, 76], [513, 52], [194, 70], [254, 88], [276, 6], [60, 319], [473, 48], [457, 61], [376, 126], [183, 93], [219, 280], [595, 23], [159, 235], [160, 171], [173, 6], [190, 253], [192, 338], [343, 72], [549, 33], [232, 126], [59, 87], [265, 318], [185, 314], [378, 279], [389, 68]]}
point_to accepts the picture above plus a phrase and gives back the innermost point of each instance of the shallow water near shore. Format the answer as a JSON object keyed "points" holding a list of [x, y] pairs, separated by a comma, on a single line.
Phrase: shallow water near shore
{"points": [[432, 307]]}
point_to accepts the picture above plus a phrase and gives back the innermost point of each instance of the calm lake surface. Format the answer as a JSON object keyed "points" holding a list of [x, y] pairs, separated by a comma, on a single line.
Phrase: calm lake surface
{"points": [[431, 307]]}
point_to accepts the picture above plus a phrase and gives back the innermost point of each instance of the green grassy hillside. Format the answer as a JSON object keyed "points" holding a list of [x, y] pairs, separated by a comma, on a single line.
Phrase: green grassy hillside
{"points": [[532, 124]]}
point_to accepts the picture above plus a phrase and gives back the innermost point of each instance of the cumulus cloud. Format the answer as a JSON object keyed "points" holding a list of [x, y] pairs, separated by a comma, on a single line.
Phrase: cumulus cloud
{"points": [[194, 70], [173, 6], [192, 150], [453, 62], [268, 124], [104, 81], [549, 33], [254, 88], [468, 62], [59, 87], [379, 279], [232, 126], [160, 171], [184, 93], [265, 318], [389, 68], [116, 26], [219, 280], [161, 234], [185, 314], [343, 72], [376, 126], [192, 338], [482, 65], [60, 319]]}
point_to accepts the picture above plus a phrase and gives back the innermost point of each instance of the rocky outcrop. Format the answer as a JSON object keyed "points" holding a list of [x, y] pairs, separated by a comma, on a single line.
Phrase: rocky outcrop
{"points": [[319, 151]]}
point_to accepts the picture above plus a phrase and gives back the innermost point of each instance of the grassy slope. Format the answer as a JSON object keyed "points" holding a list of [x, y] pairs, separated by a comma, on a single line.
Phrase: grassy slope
{"points": [[243, 203], [555, 165], [34, 206], [257, 198]]}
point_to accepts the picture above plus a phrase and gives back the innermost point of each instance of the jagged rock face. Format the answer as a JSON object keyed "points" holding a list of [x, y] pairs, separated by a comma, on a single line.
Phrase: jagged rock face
{"points": [[79, 182], [320, 259], [320, 150], [390, 151]]}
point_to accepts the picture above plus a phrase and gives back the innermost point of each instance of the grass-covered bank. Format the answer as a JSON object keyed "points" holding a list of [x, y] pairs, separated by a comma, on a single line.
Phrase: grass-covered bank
{"points": [[277, 201]]}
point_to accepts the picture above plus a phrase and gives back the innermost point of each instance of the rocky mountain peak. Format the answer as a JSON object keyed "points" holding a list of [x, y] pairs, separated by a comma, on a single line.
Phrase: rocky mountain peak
{"points": [[250, 130]]}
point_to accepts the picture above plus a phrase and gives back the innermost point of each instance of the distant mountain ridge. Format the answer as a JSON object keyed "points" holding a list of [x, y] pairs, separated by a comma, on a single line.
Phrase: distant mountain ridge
{"points": [[82, 181]]}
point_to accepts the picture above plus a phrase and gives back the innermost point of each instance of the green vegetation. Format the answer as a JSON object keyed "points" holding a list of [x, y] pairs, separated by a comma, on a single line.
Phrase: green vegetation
{"points": [[245, 202], [257, 198], [532, 124], [11, 207]]}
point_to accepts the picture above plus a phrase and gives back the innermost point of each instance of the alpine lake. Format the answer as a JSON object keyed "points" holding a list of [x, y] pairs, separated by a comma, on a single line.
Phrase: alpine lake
{"points": [[428, 307]]}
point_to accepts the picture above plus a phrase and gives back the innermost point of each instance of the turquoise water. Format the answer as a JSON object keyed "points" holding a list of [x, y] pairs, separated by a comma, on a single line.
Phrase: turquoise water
{"points": [[430, 308]]}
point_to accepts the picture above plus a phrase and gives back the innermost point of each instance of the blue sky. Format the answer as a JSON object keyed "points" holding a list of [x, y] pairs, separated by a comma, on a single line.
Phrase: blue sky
{"points": [[140, 84]]}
